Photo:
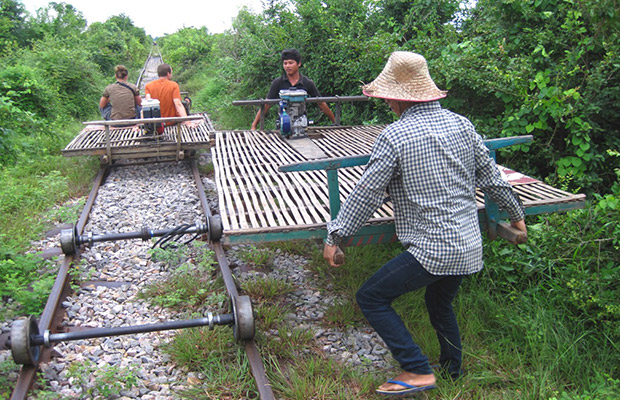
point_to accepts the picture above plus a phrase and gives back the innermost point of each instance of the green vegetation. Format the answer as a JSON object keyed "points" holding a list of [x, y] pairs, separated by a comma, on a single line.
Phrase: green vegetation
{"points": [[52, 73], [105, 381], [191, 283], [257, 257], [267, 296], [261, 288], [7, 367], [542, 319], [529, 328], [225, 370], [542, 67], [537, 322]]}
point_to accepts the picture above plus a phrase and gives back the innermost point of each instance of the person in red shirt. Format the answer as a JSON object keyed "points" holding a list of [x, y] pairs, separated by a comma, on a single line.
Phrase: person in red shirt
{"points": [[167, 92]]}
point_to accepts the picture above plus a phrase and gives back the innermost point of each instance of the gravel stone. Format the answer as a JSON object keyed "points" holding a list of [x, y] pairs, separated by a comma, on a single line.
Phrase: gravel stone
{"points": [[162, 196]]}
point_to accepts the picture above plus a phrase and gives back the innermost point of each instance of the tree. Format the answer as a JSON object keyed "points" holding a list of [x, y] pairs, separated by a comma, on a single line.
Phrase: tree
{"points": [[186, 47], [61, 20], [13, 26], [117, 41], [547, 68]]}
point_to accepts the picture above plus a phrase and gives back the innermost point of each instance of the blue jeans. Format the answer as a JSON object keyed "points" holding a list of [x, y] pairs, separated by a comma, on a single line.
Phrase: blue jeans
{"points": [[106, 112], [401, 275]]}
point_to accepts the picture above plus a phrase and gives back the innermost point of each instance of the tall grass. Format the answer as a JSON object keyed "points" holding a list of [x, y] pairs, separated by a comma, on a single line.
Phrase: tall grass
{"points": [[40, 179], [527, 332], [32, 191]]}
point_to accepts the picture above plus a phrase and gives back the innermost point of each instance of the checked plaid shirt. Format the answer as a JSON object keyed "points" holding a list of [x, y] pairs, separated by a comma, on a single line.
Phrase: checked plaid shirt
{"points": [[430, 162]]}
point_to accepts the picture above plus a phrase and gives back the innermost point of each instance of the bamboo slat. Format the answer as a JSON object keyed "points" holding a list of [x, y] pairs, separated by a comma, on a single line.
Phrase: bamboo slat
{"points": [[131, 140], [256, 198]]}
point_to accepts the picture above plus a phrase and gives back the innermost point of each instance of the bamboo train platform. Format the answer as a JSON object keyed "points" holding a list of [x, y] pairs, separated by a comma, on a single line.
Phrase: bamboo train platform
{"points": [[259, 203], [103, 138]]}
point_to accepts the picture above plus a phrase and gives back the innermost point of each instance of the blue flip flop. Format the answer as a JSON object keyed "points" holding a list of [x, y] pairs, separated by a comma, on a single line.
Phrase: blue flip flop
{"points": [[409, 389]]}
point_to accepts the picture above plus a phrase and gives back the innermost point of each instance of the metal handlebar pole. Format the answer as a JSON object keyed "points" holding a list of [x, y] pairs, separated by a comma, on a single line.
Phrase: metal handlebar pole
{"points": [[332, 165]]}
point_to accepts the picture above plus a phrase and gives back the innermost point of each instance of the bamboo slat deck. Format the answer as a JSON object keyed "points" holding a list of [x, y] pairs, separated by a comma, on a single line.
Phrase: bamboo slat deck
{"points": [[258, 201], [130, 142]]}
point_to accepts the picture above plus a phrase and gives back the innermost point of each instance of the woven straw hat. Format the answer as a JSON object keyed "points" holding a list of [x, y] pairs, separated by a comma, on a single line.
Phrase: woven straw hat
{"points": [[405, 77]]}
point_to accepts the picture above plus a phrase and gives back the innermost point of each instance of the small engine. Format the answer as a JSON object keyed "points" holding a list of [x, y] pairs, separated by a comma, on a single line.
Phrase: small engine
{"points": [[293, 119], [150, 109]]}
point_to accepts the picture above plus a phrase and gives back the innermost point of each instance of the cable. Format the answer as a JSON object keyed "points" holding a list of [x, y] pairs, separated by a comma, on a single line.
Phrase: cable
{"points": [[168, 241]]}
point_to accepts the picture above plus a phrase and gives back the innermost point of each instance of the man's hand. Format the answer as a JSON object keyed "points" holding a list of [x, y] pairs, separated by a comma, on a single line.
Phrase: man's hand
{"points": [[190, 124], [257, 118], [520, 225], [333, 255]]}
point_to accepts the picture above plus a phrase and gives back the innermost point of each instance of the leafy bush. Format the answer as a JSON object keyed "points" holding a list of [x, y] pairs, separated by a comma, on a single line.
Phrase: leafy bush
{"points": [[36, 193], [117, 41], [24, 86], [69, 71], [23, 282], [546, 68], [186, 47], [13, 26], [574, 256], [14, 124]]}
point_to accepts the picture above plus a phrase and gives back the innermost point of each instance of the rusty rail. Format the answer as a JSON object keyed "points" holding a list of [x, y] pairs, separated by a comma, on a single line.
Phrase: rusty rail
{"points": [[52, 311], [254, 358], [61, 287]]}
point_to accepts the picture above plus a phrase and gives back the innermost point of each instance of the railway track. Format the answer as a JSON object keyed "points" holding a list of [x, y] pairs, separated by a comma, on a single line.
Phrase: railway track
{"points": [[119, 273], [121, 270], [149, 71]]}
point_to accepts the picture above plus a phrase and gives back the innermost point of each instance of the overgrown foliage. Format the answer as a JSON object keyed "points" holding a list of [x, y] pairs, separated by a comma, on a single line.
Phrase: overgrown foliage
{"points": [[53, 69], [548, 68], [187, 48]]}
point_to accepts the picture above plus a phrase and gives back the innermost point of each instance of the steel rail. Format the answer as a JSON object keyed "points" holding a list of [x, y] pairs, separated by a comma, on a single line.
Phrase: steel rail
{"points": [[144, 67], [256, 363], [53, 310], [146, 63], [28, 374]]}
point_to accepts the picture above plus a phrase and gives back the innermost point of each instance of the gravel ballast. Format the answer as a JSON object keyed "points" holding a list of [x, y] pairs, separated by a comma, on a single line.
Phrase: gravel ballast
{"points": [[162, 196]]}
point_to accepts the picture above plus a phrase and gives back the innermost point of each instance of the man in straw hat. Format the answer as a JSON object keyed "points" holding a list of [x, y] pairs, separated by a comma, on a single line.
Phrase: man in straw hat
{"points": [[430, 162]]}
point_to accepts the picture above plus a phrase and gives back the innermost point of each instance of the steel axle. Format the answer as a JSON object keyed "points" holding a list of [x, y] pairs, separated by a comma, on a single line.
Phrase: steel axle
{"points": [[71, 240], [26, 340], [210, 320]]}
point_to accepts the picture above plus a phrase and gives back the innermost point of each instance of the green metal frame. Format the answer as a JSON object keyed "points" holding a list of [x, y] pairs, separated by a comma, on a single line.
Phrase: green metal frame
{"points": [[382, 233]]}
